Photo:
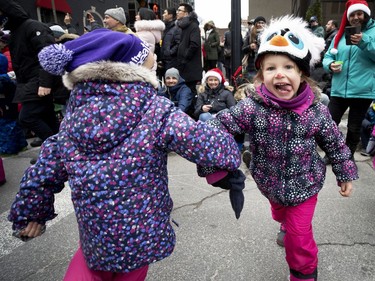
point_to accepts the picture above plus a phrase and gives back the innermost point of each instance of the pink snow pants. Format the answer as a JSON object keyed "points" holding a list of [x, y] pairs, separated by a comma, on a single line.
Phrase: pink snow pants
{"points": [[79, 271], [300, 247]]}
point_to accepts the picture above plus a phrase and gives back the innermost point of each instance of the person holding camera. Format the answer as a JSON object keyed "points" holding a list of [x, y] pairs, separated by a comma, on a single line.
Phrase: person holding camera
{"points": [[351, 60]]}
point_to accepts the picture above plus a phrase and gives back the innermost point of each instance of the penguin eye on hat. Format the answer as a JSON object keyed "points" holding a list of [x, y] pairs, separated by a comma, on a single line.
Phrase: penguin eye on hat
{"points": [[294, 40], [271, 36]]}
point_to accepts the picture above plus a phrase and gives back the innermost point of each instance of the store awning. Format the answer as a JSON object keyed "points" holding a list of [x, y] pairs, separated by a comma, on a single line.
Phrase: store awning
{"points": [[60, 5]]}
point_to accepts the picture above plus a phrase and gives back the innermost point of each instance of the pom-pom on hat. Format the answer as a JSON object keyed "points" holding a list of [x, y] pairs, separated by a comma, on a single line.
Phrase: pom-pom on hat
{"points": [[215, 72], [98, 45], [350, 7], [289, 35], [117, 14]]}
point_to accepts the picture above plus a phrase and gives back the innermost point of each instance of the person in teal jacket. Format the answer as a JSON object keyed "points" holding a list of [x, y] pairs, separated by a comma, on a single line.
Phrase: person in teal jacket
{"points": [[351, 61]]}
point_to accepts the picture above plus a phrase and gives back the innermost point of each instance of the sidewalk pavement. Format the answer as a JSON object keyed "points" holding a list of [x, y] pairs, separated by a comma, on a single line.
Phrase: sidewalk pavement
{"points": [[211, 244]]}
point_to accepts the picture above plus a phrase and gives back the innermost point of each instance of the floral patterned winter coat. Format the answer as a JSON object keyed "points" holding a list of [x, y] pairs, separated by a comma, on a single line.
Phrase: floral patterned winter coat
{"points": [[112, 147], [285, 164]]}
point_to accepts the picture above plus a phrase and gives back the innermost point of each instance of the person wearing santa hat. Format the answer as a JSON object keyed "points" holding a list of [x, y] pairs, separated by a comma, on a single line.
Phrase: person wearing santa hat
{"points": [[214, 95], [351, 60]]}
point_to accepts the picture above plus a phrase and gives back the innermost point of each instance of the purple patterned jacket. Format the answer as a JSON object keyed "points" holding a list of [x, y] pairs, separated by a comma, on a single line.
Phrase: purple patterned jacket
{"points": [[285, 164], [112, 147]]}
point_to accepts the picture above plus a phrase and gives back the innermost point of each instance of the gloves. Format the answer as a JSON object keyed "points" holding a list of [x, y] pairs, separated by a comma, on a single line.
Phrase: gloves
{"points": [[235, 183]]}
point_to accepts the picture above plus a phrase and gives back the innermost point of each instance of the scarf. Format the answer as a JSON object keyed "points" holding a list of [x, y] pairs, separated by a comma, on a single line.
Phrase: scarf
{"points": [[298, 104]]}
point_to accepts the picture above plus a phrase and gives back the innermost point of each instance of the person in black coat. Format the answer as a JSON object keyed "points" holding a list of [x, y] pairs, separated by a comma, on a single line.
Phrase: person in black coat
{"points": [[170, 41], [189, 55], [34, 85]]}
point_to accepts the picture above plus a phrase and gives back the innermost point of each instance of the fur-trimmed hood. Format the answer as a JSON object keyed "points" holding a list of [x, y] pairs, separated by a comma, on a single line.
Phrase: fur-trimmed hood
{"points": [[149, 25], [112, 71]]}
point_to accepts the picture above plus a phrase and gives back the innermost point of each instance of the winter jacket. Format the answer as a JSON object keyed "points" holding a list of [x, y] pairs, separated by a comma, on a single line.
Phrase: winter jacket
{"points": [[220, 98], [212, 45], [179, 94], [28, 38], [112, 147], [285, 163], [150, 31], [356, 80], [170, 42], [189, 55]]}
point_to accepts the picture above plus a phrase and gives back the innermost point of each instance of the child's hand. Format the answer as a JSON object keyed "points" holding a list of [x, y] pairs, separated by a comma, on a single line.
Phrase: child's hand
{"points": [[346, 188], [32, 230]]}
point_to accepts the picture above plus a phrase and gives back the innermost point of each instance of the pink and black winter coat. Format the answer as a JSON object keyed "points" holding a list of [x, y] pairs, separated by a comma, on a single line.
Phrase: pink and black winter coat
{"points": [[112, 148], [286, 165]]}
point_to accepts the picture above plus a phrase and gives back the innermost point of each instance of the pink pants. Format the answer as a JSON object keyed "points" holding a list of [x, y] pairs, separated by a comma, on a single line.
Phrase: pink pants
{"points": [[79, 271], [300, 247]]}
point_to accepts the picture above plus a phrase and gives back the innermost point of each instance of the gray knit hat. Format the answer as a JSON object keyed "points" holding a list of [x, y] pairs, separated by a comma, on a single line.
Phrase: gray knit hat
{"points": [[172, 72], [117, 14]]}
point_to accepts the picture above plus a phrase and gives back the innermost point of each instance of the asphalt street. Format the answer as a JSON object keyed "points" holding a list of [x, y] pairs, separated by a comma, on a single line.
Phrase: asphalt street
{"points": [[211, 244]]}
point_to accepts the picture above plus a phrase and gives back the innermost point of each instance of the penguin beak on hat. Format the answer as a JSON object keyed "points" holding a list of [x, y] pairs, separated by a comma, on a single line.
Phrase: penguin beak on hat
{"points": [[279, 40]]}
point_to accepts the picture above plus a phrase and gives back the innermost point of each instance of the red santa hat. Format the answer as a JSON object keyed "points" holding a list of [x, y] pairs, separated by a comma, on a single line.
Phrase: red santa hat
{"points": [[215, 72], [350, 7]]}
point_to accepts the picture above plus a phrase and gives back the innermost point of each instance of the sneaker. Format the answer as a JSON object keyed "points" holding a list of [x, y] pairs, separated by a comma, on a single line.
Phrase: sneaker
{"points": [[36, 142], [280, 236], [246, 158]]}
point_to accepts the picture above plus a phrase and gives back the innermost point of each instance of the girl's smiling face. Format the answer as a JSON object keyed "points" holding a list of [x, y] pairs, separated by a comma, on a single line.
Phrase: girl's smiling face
{"points": [[212, 82], [281, 76]]}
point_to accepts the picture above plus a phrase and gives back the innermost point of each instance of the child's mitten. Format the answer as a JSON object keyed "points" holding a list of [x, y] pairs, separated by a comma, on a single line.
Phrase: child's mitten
{"points": [[235, 183]]}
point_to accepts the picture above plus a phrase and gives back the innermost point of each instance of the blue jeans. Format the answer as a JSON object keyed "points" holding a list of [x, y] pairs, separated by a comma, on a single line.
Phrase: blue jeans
{"points": [[205, 116]]}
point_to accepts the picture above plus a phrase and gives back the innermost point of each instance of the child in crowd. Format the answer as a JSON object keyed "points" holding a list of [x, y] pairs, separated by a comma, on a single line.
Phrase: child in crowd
{"points": [[214, 94], [368, 123], [112, 147], [285, 122], [176, 90]]}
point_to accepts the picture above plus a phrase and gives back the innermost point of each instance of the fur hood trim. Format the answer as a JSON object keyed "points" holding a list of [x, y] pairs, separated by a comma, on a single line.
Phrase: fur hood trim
{"points": [[112, 71], [149, 25]]}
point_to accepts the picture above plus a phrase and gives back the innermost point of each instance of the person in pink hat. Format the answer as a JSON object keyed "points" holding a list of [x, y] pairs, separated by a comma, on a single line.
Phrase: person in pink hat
{"points": [[350, 60], [214, 95]]}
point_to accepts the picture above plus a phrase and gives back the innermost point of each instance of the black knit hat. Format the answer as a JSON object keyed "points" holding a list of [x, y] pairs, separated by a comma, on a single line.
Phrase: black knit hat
{"points": [[259, 18]]}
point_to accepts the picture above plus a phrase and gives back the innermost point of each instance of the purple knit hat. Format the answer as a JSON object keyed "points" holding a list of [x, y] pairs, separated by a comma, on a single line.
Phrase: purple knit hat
{"points": [[97, 45]]}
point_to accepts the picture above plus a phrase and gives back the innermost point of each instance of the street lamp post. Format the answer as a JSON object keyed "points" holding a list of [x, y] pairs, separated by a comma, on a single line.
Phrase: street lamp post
{"points": [[236, 35]]}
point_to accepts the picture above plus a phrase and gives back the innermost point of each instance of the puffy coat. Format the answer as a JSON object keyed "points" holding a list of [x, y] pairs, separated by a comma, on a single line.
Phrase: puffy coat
{"points": [[356, 80], [285, 163], [220, 98], [179, 94], [113, 148], [150, 31]]}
